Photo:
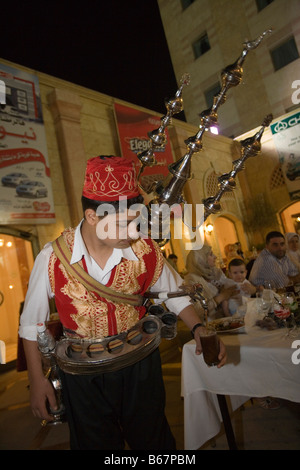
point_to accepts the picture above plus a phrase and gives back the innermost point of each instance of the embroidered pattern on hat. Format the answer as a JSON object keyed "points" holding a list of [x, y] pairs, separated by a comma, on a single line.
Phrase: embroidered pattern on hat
{"points": [[112, 184]]}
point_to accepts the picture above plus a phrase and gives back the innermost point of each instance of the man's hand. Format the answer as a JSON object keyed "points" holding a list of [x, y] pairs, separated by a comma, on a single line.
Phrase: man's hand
{"points": [[41, 394], [191, 318], [222, 354], [41, 391]]}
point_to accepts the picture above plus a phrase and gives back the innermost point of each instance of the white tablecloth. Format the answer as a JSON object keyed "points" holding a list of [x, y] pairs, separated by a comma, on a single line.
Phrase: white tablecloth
{"points": [[259, 364]]}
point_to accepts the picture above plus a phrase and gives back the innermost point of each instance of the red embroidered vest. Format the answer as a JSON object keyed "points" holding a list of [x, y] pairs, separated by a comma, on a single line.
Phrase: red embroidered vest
{"points": [[92, 316]]}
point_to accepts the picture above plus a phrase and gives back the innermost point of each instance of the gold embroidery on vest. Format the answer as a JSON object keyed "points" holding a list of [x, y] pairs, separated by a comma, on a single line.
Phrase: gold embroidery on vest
{"points": [[91, 313], [141, 248], [127, 272], [127, 316]]}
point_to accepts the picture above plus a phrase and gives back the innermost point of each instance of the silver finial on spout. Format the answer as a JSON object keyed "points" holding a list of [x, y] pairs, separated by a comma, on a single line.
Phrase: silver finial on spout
{"points": [[170, 190], [250, 147], [158, 136]]}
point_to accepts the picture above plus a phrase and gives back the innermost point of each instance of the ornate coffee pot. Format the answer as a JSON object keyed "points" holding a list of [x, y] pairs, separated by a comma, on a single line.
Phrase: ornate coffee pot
{"points": [[170, 190]]}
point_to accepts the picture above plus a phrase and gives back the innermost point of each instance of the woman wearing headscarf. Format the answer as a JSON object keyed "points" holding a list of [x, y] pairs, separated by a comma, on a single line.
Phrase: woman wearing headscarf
{"points": [[293, 248], [200, 266]]}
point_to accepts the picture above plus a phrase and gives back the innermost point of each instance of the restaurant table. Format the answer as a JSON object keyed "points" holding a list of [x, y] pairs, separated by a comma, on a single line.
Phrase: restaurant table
{"points": [[259, 364]]}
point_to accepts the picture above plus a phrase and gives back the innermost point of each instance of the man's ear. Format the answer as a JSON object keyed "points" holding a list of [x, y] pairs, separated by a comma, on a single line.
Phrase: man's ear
{"points": [[91, 217]]}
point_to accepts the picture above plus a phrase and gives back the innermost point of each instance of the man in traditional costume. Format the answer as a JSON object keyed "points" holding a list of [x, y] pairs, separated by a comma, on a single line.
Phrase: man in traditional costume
{"points": [[97, 278]]}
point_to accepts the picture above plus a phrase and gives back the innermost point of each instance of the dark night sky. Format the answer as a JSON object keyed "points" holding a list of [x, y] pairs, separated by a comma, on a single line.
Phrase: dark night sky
{"points": [[116, 47]]}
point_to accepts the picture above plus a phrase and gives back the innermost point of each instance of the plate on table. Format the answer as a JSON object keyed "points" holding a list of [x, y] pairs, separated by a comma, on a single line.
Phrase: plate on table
{"points": [[228, 325]]}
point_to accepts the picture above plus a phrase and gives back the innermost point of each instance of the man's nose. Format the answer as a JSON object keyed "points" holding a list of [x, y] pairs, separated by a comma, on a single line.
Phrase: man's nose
{"points": [[133, 231]]}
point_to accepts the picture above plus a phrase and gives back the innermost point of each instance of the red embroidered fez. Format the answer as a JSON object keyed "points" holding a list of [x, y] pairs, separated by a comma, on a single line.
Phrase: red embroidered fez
{"points": [[108, 178]]}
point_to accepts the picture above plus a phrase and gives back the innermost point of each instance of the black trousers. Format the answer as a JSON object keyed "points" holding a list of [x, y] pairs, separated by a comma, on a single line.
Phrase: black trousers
{"points": [[104, 410]]}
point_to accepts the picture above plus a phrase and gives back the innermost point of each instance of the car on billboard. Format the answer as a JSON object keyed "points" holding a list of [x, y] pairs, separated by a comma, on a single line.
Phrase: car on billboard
{"points": [[14, 179], [32, 189]]}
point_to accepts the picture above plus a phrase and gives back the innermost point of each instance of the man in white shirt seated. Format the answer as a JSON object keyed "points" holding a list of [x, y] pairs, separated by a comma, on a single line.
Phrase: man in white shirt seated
{"points": [[273, 264]]}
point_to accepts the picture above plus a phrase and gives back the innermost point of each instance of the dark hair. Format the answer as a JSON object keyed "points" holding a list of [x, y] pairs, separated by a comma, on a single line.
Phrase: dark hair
{"points": [[172, 256], [91, 204], [236, 262], [273, 234]]}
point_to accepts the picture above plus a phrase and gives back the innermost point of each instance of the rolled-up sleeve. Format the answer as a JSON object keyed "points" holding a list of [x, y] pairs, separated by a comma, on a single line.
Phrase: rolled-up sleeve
{"points": [[36, 306]]}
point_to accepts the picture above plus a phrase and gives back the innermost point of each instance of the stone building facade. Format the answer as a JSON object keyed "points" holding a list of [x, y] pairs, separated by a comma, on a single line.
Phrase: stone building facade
{"points": [[205, 36]]}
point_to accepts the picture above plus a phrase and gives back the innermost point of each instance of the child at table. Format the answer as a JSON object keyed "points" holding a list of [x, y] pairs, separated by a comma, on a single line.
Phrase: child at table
{"points": [[237, 271]]}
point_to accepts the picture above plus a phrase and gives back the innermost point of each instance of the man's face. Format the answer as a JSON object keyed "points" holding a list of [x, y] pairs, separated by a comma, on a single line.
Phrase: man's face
{"points": [[276, 247], [117, 230]]}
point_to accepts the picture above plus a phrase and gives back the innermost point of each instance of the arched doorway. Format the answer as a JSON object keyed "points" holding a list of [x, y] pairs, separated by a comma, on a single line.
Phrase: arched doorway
{"points": [[225, 233], [16, 261], [290, 218]]}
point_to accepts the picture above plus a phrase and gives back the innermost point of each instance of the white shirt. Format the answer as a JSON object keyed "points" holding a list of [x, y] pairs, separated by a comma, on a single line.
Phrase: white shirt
{"points": [[36, 307], [267, 267]]}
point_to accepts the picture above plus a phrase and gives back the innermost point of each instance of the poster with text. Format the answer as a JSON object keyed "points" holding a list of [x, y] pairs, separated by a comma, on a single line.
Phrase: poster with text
{"points": [[25, 183], [286, 137], [133, 127]]}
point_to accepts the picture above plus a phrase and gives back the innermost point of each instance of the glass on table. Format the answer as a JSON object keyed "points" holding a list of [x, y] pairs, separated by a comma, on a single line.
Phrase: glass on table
{"points": [[269, 285], [265, 299], [284, 308], [282, 313], [290, 300], [210, 345]]}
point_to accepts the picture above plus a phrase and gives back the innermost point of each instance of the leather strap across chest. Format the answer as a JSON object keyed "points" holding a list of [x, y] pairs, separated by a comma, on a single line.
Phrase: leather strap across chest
{"points": [[63, 253]]}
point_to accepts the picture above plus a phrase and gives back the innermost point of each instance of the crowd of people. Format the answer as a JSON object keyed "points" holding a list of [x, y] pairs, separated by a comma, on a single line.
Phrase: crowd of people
{"points": [[277, 266], [278, 263]]}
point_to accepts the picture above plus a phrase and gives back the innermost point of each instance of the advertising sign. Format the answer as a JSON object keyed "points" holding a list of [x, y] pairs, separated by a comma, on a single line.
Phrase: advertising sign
{"points": [[133, 127], [25, 184], [286, 137]]}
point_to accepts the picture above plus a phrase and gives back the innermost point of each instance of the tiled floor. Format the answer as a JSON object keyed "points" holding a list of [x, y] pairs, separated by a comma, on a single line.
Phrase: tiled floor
{"points": [[254, 427]]}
